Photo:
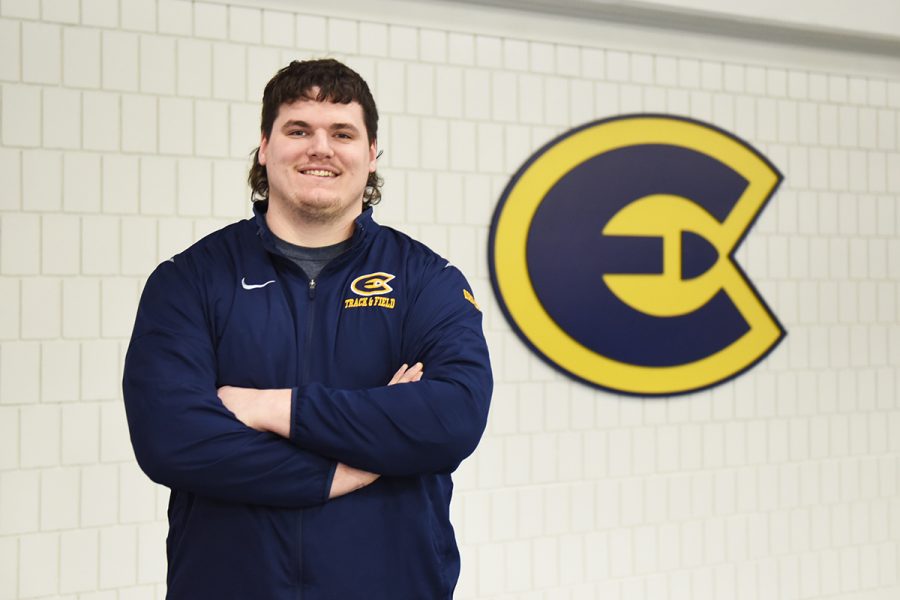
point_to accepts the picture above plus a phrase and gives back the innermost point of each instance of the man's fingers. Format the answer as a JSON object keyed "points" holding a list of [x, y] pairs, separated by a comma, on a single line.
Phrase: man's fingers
{"points": [[398, 374], [347, 479], [407, 374], [414, 373]]}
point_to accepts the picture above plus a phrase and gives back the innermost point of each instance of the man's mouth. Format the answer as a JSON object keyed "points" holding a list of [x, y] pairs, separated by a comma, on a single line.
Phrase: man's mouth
{"points": [[318, 172]]}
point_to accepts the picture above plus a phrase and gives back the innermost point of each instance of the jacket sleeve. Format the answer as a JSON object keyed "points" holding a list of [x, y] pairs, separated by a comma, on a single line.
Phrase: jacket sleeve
{"points": [[415, 428], [182, 434]]}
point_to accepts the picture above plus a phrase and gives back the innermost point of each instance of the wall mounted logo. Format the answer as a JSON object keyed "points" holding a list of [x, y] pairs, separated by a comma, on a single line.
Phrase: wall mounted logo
{"points": [[611, 254]]}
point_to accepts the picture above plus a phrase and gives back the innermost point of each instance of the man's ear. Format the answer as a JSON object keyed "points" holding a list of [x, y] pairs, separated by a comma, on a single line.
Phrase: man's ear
{"points": [[373, 156], [263, 146]]}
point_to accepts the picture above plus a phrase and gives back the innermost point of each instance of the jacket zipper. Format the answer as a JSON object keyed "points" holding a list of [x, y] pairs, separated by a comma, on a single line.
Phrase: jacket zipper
{"points": [[310, 319]]}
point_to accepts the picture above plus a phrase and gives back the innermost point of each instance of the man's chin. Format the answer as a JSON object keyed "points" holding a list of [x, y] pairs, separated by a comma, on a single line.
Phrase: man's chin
{"points": [[324, 210]]}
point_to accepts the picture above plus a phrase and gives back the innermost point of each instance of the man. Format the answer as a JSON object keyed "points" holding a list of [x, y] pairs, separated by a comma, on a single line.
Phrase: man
{"points": [[262, 383]]}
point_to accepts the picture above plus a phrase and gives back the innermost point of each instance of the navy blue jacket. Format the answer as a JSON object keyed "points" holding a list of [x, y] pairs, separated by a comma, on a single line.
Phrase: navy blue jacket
{"points": [[249, 515]]}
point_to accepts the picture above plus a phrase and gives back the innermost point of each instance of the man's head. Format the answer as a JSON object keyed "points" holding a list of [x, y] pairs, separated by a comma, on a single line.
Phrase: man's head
{"points": [[326, 86]]}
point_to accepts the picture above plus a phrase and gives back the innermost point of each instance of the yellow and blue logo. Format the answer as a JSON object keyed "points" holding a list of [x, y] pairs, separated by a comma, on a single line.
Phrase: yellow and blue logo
{"points": [[372, 284], [612, 254], [371, 289]]}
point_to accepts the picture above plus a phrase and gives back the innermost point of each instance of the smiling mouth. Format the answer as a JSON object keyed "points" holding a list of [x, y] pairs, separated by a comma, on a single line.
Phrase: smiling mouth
{"points": [[318, 173]]}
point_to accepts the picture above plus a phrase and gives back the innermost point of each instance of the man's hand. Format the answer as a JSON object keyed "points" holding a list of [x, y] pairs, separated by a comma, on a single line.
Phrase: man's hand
{"points": [[263, 410], [407, 374], [347, 479]]}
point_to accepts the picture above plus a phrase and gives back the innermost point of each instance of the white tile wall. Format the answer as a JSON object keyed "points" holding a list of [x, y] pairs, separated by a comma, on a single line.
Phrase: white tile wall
{"points": [[125, 130]]}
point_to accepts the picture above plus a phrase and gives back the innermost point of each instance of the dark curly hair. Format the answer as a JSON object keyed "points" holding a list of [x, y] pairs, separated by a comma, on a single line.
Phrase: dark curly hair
{"points": [[336, 82]]}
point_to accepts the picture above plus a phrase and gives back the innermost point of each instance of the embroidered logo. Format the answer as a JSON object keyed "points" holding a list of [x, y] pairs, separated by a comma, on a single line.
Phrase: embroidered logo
{"points": [[254, 286], [468, 296], [372, 284], [371, 289]]}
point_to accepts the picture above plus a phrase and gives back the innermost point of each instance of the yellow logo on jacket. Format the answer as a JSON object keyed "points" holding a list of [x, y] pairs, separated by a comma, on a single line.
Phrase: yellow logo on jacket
{"points": [[371, 289], [372, 284], [468, 296]]}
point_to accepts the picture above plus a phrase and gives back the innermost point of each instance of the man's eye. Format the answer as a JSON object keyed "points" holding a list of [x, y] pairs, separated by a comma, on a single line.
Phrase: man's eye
{"points": [[297, 133], [344, 136]]}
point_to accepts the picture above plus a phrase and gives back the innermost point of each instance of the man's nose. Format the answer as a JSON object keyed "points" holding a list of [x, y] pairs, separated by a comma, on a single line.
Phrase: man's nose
{"points": [[320, 144]]}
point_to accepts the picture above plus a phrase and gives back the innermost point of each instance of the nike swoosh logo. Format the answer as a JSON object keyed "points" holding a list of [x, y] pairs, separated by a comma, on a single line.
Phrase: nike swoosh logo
{"points": [[254, 286]]}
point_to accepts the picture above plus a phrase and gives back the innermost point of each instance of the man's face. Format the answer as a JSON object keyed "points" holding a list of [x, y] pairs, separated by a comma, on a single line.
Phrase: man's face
{"points": [[318, 159]]}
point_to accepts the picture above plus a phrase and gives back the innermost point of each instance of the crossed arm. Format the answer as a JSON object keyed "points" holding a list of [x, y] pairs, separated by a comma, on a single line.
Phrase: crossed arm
{"points": [[270, 410], [188, 435]]}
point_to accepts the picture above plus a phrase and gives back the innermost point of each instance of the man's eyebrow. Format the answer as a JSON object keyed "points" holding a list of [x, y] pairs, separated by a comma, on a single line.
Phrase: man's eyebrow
{"points": [[332, 127], [343, 126]]}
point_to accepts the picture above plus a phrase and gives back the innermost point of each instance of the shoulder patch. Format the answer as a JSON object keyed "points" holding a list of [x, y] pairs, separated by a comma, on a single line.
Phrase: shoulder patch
{"points": [[468, 296]]}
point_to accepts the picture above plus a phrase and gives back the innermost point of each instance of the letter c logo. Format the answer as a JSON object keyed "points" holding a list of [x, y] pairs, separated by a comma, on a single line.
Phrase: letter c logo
{"points": [[372, 284], [612, 254]]}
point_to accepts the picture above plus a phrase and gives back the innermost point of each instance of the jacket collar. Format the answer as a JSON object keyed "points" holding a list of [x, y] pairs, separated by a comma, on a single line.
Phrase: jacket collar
{"points": [[363, 231]]}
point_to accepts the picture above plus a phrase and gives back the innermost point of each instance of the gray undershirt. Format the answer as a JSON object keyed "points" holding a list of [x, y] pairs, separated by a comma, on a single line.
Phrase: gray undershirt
{"points": [[311, 260]]}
